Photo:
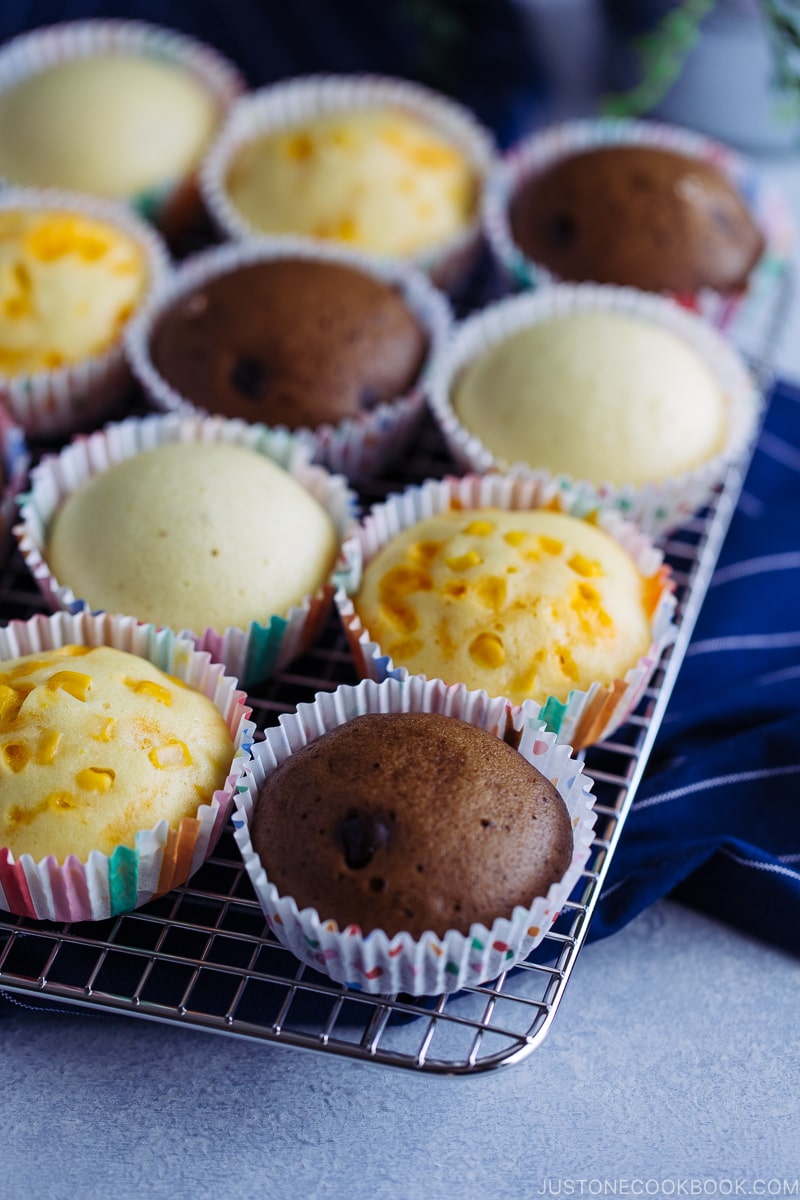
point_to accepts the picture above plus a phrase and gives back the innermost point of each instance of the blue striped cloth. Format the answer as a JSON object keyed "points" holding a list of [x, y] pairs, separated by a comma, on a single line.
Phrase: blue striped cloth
{"points": [[716, 822]]}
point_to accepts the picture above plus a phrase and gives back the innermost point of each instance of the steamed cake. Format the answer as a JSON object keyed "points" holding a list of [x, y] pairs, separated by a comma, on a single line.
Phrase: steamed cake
{"points": [[524, 604], [411, 821], [192, 535], [68, 284], [637, 215], [109, 124], [290, 341], [97, 744], [378, 179], [599, 396]]}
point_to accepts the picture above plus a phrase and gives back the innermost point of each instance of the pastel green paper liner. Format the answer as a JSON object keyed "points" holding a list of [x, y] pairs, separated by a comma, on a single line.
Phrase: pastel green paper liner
{"points": [[657, 507], [50, 404], [587, 716], [163, 858], [281, 105], [251, 654], [741, 317], [175, 203], [357, 447], [431, 964]]}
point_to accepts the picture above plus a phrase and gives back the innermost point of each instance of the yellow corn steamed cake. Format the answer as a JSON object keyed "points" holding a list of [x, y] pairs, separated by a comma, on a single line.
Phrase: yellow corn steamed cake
{"points": [[109, 124], [526, 604], [381, 180], [68, 284], [97, 744]]}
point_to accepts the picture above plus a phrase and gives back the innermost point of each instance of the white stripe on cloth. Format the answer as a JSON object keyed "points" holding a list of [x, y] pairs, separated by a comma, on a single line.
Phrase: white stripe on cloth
{"points": [[774, 868], [749, 641], [717, 781], [780, 450], [755, 566]]}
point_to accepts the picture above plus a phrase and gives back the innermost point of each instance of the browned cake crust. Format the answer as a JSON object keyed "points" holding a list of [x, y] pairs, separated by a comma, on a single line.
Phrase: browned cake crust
{"points": [[638, 216], [290, 342], [411, 821]]}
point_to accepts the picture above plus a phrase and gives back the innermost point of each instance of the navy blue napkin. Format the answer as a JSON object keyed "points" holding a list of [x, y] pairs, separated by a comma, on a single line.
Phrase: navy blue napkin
{"points": [[716, 821]]}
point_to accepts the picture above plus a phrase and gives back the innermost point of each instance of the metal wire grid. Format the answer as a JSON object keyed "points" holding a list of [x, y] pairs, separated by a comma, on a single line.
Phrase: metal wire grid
{"points": [[203, 956]]}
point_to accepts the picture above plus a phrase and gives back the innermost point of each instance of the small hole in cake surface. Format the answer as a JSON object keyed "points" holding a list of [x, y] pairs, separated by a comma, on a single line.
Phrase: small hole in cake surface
{"points": [[486, 823], [563, 230], [249, 376], [377, 884], [361, 834], [420, 869], [215, 553]]}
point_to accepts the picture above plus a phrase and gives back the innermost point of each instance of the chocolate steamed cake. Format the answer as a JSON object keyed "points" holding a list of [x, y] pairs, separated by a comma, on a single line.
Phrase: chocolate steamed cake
{"points": [[292, 342], [411, 821], [639, 216]]}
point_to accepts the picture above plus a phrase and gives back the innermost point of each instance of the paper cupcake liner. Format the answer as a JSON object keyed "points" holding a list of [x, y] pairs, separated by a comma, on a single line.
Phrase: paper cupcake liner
{"points": [[15, 462], [739, 316], [285, 104], [53, 403], [658, 506], [163, 858], [587, 716], [251, 654], [429, 965], [173, 204], [357, 447]]}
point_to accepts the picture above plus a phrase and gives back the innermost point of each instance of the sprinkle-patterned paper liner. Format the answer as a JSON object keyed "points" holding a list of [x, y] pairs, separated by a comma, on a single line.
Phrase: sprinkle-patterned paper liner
{"points": [[175, 203], [586, 716], [739, 316], [428, 965], [252, 654], [162, 858], [50, 404], [657, 506], [15, 461], [282, 105], [358, 447]]}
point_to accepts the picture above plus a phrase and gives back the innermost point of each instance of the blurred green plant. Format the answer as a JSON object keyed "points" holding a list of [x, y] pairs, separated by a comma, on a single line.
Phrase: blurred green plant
{"points": [[662, 52]]}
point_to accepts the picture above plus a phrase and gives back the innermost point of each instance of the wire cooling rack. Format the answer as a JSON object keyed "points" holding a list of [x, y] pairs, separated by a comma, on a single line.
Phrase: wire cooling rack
{"points": [[203, 957]]}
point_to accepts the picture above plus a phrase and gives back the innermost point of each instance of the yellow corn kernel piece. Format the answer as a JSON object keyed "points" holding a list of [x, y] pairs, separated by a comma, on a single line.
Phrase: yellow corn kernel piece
{"points": [[568, 665], [346, 230], [146, 687], [72, 682], [515, 537], [16, 756], [550, 545], [524, 681], [103, 729], [492, 591], [49, 744], [402, 580], [95, 779], [60, 236], [487, 650], [298, 147], [400, 615], [480, 528], [589, 568], [71, 651], [455, 588], [171, 754], [62, 800], [17, 306], [10, 702], [424, 553], [587, 594], [463, 562], [605, 619]]}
